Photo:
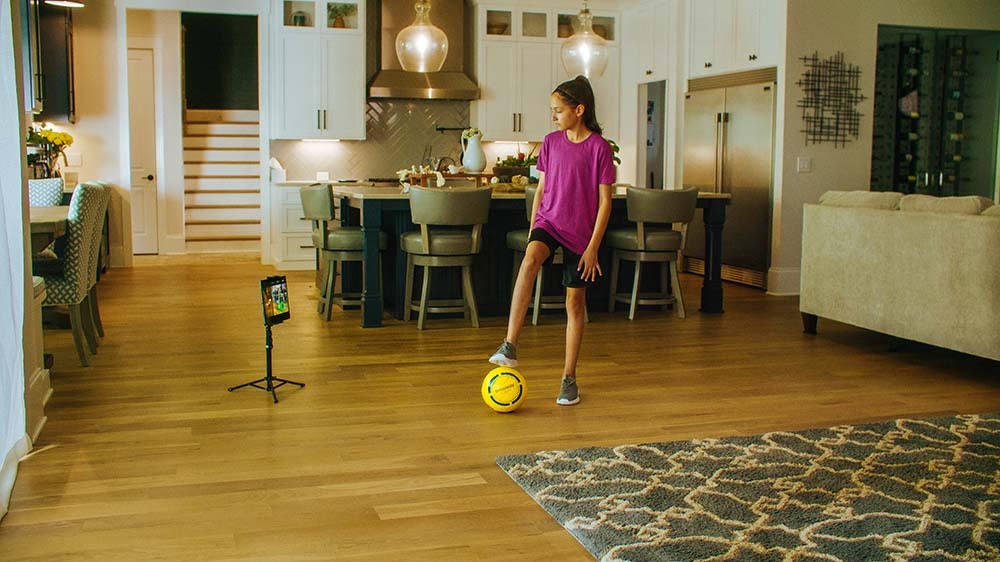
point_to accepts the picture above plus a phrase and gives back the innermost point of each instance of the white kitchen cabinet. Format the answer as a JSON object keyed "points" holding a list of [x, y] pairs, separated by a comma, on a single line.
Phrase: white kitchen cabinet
{"points": [[291, 235], [653, 35], [733, 35], [319, 75], [515, 84]]}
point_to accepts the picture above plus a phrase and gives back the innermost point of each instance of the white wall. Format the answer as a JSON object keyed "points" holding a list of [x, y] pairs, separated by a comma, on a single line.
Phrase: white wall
{"points": [[851, 27]]}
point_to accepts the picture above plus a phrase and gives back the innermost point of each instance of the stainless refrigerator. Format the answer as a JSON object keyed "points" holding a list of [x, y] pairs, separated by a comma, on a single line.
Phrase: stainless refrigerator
{"points": [[728, 148]]}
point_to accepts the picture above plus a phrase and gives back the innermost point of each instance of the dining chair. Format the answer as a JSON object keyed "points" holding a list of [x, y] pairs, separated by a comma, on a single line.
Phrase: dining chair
{"points": [[46, 192], [70, 287], [655, 212], [517, 241], [451, 235], [93, 263], [336, 244]]}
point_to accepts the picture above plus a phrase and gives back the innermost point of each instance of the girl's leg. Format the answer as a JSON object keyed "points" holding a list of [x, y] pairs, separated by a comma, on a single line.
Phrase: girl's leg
{"points": [[536, 254], [576, 302]]}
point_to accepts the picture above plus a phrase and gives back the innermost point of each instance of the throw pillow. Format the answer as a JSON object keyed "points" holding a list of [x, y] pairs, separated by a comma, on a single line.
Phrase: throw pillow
{"points": [[967, 205], [871, 199]]}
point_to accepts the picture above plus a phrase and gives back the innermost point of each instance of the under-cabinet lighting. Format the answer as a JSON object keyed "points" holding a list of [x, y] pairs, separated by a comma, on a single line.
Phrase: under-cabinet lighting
{"points": [[65, 3], [320, 140]]}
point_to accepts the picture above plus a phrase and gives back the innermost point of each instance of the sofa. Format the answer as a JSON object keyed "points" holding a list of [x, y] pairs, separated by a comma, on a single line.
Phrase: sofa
{"points": [[915, 267]]}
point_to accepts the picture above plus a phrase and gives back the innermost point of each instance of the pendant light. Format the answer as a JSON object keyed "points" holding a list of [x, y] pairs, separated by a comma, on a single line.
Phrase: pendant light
{"points": [[585, 52], [422, 47]]}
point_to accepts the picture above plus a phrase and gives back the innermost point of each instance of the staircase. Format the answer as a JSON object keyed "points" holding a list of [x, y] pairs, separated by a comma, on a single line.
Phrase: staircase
{"points": [[222, 181]]}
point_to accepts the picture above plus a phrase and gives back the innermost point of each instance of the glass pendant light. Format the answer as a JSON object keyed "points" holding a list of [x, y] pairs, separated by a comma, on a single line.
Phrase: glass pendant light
{"points": [[585, 52], [422, 47]]}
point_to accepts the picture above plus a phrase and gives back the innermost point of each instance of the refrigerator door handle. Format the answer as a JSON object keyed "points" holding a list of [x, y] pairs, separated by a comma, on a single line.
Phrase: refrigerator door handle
{"points": [[724, 127]]}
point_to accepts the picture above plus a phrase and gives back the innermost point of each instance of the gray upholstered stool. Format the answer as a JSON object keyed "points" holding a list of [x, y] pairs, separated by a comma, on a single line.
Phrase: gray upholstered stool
{"points": [[335, 244], [453, 246], [517, 241], [653, 239]]}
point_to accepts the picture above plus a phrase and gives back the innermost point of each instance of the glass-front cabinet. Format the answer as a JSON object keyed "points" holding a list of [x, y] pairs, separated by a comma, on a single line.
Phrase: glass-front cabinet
{"points": [[568, 23], [516, 23], [322, 15]]}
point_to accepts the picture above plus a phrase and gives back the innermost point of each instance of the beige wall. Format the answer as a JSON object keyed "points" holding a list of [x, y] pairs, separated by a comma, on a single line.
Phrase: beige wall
{"points": [[851, 27]]}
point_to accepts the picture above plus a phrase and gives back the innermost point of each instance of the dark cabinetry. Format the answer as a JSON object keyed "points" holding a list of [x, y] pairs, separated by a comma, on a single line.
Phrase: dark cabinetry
{"points": [[55, 81]]}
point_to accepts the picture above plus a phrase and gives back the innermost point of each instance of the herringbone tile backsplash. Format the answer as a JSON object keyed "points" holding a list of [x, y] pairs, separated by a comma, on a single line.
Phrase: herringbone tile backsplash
{"points": [[399, 134]]}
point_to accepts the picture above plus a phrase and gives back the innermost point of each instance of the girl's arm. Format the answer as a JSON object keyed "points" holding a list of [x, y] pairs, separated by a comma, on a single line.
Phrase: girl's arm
{"points": [[538, 199], [589, 265]]}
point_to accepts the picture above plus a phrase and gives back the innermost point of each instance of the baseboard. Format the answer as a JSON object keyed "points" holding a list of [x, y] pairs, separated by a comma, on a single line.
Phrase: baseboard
{"points": [[172, 245], [783, 281], [8, 472]]}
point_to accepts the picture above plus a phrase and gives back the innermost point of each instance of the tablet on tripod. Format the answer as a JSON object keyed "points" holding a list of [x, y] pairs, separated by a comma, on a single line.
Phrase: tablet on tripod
{"points": [[274, 300]]}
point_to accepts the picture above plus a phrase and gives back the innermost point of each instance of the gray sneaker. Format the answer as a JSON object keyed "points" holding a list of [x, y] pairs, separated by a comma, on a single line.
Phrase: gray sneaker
{"points": [[569, 394], [506, 355]]}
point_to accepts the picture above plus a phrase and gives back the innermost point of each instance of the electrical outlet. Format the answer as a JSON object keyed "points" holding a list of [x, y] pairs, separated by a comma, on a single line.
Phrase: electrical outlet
{"points": [[804, 164]]}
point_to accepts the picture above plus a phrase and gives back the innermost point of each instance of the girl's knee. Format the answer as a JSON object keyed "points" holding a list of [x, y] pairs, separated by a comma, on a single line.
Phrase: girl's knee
{"points": [[576, 301]]}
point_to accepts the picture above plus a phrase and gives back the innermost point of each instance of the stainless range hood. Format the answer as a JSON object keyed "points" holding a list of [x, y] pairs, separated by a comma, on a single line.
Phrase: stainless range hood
{"points": [[391, 81]]}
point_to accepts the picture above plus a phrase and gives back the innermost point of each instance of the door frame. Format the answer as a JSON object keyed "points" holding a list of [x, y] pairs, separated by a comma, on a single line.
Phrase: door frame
{"points": [[154, 44], [259, 8]]}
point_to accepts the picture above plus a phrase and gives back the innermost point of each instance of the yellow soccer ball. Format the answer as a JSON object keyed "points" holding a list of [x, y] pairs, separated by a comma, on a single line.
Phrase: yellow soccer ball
{"points": [[504, 389]]}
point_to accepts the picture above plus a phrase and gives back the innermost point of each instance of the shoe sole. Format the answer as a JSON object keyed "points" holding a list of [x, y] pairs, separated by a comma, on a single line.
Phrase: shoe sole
{"points": [[503, 361], [564, 402]]}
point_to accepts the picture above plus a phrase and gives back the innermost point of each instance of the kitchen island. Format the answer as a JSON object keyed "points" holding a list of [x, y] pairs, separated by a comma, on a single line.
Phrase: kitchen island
{"points": [[388, 209]]}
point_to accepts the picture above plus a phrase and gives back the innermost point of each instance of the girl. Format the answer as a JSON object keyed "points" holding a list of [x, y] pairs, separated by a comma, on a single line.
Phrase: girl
{"points": [[571, 210]]}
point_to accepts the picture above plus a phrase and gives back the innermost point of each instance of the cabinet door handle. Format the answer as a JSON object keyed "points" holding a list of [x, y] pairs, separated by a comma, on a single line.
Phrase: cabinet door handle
{"points": [[752, 57], [708, 65], [648, 72], [318, 119], [324, 120], [513, 122], [519, 122]]}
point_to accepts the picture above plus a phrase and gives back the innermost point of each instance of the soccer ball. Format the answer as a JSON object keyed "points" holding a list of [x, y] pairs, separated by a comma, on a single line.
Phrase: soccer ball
{"points": [[504, 389]]}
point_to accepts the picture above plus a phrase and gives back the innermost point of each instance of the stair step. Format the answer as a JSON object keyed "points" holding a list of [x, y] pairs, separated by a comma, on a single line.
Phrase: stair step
{"points": [[216, 129], [224, 169], [222, 214], [222, 115], [220, 221], [220, 206], [221, 238], [222, 246], [220, 155], [235, 199], [217, 191], [221, 183], [248, 142], [222, 231]]}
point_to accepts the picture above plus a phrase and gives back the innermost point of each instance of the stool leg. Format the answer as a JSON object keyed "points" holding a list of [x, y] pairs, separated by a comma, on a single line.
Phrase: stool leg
{"points": [[470, 296], [408, 289], [331, 280], [676, 284], [424, 290], [614, 282], [664, 285], [635, 291]]}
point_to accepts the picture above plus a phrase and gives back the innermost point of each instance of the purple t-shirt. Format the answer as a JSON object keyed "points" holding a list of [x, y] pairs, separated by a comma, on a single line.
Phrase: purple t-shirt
{"points": [[568, 210]]}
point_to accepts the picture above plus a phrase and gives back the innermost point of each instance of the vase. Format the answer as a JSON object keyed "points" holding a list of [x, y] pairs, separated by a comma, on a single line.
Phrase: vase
{"points": [[473, 156]]}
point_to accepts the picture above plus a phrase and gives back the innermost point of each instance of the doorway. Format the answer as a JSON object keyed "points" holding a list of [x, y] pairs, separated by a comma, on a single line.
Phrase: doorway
{"points": [[650, 144], [142, 150]]}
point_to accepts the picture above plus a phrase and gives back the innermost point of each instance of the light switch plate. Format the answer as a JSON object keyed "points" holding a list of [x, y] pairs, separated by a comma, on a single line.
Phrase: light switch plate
{"points": [[804, 164], [74, 159], [322, 176]]}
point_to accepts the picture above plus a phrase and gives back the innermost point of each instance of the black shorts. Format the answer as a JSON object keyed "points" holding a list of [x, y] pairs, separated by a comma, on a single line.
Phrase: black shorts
{"points": [[571, 275]]}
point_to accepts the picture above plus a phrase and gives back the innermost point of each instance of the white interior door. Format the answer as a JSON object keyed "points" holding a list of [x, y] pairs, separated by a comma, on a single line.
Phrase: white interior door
{"points": [[142, 150]]}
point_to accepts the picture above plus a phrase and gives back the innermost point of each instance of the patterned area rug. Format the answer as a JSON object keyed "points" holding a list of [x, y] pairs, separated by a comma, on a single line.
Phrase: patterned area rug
{"points": [[907, 489]]}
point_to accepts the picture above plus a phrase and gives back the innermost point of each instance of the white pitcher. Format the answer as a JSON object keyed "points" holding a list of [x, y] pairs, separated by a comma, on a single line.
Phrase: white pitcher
{"points": [[473, 157]]}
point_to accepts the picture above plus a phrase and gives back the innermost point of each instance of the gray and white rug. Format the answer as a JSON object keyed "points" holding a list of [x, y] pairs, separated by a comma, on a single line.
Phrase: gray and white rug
{"points": [[910, 489]]}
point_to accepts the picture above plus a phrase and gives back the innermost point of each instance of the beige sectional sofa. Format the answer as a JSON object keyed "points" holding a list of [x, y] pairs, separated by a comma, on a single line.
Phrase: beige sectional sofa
{"points": [[912, 266]]}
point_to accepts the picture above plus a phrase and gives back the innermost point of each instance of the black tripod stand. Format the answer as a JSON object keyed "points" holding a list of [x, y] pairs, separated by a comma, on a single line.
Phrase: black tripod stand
{"points": [[272, 289]]}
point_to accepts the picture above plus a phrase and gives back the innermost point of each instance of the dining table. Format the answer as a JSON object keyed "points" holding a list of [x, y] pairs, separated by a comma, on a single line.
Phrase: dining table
{"points": [[377, 208], [47, 224]]}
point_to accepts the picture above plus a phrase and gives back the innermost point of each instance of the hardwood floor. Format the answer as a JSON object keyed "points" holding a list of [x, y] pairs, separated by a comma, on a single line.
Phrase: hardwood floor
{"points": [[388, 452]]}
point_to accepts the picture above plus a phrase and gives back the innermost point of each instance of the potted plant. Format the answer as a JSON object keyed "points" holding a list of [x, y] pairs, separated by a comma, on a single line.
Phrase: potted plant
{"points": [[336, 12]]}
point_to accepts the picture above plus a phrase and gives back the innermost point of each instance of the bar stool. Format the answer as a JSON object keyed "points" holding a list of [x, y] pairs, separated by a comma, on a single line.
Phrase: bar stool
{"points": [[335, 244], [656, 242], [517, 241], [444, 247]]}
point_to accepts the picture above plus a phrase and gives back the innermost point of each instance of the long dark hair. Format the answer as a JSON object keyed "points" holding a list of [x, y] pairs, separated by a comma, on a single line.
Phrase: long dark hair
{"points": [[578, 91]]}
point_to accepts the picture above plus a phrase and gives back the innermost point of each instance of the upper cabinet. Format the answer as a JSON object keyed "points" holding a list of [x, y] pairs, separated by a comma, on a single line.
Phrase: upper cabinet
{"points": [[56, 79], [319, 70], [518, 65], [733, 35], [652, 41]]}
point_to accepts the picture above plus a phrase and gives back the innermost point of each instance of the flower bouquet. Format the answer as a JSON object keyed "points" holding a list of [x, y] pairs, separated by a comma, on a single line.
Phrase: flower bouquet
{"points": [[45, 146]]}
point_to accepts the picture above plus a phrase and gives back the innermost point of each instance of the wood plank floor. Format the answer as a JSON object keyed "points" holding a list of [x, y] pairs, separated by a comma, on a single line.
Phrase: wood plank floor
{"points": [[388, 452]]}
